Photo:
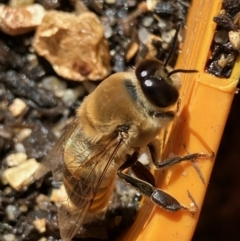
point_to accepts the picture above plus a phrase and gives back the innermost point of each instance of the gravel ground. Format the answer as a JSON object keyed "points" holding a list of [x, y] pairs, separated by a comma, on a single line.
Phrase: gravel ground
{"points": [[36, 103]]}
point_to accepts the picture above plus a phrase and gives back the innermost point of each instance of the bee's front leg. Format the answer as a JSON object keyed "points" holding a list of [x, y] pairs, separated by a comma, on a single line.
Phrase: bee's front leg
{"points": [[146, 187]]}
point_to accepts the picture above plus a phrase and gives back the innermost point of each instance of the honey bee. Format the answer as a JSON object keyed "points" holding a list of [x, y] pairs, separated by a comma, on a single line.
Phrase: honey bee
{"points": [[121, 116]]}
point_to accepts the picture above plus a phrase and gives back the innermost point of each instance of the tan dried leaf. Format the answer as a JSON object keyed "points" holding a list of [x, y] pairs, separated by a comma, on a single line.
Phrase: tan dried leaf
{"points": [[74, 45], [16, 21]]}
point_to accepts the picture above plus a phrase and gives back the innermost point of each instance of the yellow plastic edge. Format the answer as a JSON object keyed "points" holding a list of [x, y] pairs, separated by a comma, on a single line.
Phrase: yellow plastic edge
{"points": [[206, 102]]}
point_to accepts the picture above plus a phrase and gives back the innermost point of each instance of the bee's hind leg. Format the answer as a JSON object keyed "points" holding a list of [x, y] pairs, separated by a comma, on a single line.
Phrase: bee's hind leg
{"points": [[146, 185]]}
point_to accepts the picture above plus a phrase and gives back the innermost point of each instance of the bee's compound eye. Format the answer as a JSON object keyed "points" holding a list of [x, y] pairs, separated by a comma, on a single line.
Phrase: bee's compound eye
{"points": [[147, 68], [159, 92], [155, 88]]}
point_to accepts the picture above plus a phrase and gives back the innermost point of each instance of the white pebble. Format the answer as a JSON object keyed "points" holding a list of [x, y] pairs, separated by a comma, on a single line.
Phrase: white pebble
{"points": [[17, 107], [147, 21], [151, 4], [21, 176], [110, 1], [143, 35], [162, 24], [19, 147], [168, 36], [54, 84], [12, 212], [23, 134], [16, 159], [9, 237], [234, 38], [107, 31], [40, 225], [32, 58], [71, 95]]}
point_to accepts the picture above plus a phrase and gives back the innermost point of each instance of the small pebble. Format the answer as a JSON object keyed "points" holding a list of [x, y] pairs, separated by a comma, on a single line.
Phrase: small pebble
{"points": [[71, 95], [151, 4], [12, 212], [168, 36], [17, 107], [43, 201], [16, 159], [16, 21], [162, 25], [234, 38], [54, 84], [9, 237], [21, 176], [108, 31], [147, 21], [143, 35], [24, 133], [40, 225], [23, 208], [19, 147], [32, 58]]}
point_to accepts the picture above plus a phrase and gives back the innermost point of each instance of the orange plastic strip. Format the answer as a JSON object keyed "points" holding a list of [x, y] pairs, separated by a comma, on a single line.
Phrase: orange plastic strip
{"points": [[206, 101]]}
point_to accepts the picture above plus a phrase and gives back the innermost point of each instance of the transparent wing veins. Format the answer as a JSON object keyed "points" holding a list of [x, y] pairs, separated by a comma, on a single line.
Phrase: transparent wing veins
{"points": [[78, 215]]}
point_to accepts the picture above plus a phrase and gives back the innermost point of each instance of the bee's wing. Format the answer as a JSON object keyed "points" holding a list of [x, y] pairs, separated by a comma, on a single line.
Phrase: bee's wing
{"points": [[54, 159], [72, 216], [70, 221]]}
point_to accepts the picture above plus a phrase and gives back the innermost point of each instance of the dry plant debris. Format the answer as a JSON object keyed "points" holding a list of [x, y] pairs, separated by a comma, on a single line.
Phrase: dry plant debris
{"points": [[16, 21], [74, 45], [226, 45]]}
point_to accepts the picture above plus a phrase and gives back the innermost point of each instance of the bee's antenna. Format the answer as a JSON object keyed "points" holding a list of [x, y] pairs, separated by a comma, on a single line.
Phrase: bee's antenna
{"points": [[173, 45], [182, 71]]}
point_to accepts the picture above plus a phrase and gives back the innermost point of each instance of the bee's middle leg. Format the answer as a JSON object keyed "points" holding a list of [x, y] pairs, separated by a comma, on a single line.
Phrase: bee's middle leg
{"points": [[146, 186], [155, 153], [154, 148]]}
